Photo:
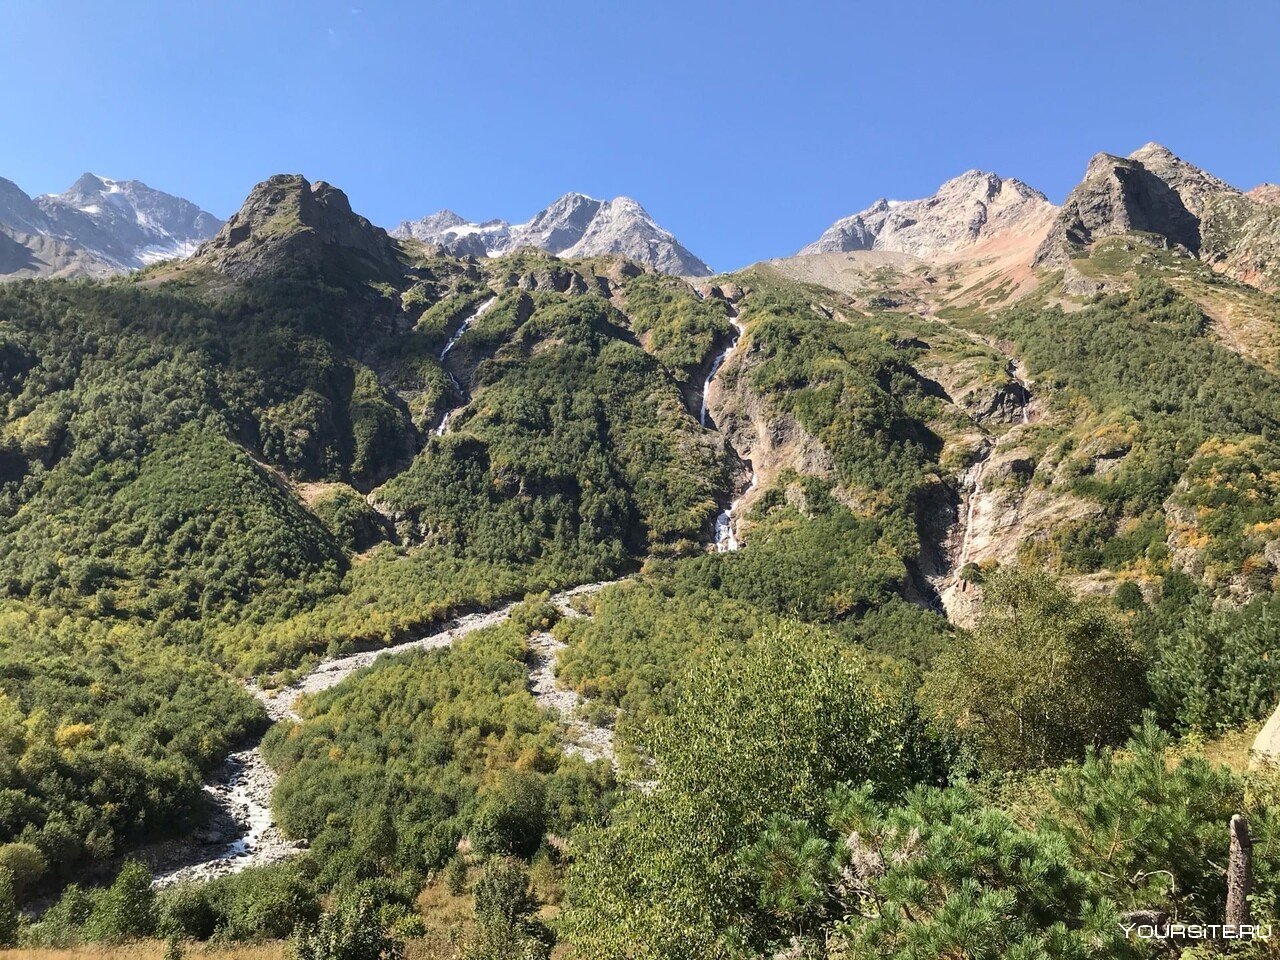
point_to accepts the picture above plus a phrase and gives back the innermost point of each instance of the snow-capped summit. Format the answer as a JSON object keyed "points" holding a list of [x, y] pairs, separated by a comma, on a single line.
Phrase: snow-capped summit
{"points": [[574, 226], [96, 227], [125, 222]]}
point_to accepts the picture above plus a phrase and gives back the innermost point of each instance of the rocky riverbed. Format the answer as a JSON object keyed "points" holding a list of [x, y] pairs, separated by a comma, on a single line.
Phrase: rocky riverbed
{"points": [[241, 831]]}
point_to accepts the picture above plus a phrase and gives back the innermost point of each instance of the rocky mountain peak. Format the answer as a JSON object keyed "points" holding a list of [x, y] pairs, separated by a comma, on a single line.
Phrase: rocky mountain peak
{"points": [[562, 224], [1266, 193], [966, 210], [100, 226], [287, 220], [1152, 192], [575, 225], [18, 211]]}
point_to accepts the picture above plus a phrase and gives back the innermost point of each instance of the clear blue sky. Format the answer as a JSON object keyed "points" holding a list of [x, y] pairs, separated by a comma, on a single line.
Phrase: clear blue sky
{"points": [[746, 127]]}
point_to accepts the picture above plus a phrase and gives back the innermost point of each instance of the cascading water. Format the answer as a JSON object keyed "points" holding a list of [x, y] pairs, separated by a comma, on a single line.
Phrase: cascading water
{"points": [[466, 325], [716, 364], [484, 308], [726, 537]]}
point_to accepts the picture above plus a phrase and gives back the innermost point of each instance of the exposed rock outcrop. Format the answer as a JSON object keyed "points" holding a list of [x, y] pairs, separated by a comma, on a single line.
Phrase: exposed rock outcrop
{"points": [[1161, 199], [287, 221], [1121, 195]]}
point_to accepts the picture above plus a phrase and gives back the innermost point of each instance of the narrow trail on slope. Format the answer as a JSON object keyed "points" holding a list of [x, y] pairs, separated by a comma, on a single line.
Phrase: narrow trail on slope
{"points": [[241, 790]]}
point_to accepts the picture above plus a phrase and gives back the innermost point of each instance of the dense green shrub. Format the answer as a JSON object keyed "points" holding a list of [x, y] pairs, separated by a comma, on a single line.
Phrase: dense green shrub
{"points": [[1215, 669], [394, 767], [1041, 677], [126, 909], [751, 738], [9, 915], [504, 923], [352, 931]]}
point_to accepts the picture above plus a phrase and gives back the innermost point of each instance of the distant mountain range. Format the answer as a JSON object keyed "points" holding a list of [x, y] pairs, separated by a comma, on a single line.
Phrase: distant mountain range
{"points": [[100, 226], [1151, 194], [97, 227], [574, 226]]}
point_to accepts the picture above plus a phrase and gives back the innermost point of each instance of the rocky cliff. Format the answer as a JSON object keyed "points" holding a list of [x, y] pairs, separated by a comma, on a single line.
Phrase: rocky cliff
{"points": [[1164, 200]]}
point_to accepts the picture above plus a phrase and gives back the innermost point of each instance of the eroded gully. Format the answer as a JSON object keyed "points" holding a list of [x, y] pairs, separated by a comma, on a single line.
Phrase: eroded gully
{"points": [[725, 536]]}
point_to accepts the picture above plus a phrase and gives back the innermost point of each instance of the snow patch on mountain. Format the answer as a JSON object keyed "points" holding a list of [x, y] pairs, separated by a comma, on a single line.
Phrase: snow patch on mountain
{"points": [[97, 227], [576, 225]]}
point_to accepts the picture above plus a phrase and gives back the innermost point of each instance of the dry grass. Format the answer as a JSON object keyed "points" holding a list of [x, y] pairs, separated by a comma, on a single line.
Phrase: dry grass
{"points": [[1230, 749], [154, 950]]}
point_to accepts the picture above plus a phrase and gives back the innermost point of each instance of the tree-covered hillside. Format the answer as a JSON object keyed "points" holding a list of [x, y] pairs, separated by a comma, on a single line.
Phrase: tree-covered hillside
{"points": [[904, 613]]}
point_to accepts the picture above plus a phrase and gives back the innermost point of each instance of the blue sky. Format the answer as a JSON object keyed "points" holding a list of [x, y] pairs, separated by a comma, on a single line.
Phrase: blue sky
{"points": [[746, 128]]}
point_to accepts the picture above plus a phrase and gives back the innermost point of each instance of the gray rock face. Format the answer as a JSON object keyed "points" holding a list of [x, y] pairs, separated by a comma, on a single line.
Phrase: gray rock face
{"points": [[1123, 195], [965, 211], [25, 255], [19, 212], [1167, 201], [97, 227], [574, 226], [288, 221]]}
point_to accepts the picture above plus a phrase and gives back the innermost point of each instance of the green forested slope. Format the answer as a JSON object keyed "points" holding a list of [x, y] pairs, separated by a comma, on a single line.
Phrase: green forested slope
{"points": [[230, 468]]}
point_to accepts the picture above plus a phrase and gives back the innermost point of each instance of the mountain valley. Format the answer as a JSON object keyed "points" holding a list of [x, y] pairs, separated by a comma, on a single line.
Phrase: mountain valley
{"points": [[796, 542]]}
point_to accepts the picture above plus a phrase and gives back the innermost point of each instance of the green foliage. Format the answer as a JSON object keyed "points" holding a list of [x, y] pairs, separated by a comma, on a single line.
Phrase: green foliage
{"points": [[1216, 669], [1200, 425], [350, 518], [1042, 676], [105, 734], [820, 564], [855, 392], [943, 876], [1154, 832], [9, 915], [353, 931], [185, 912], [24, 864], [512, 815], [678, 327], [63, 924], [126, 909], [455, 875], [751, 738], [505, 928], [576, 449], [265, 902], [395, 766]]}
